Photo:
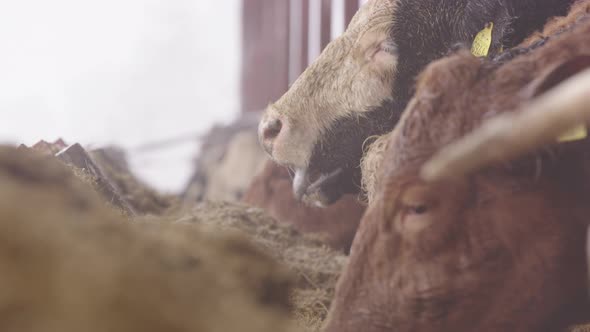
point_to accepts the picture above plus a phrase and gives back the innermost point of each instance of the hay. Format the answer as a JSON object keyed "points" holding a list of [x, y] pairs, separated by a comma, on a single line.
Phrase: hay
{"points": [[70, 264], [316, 266], [312, 307], [139, 195]]}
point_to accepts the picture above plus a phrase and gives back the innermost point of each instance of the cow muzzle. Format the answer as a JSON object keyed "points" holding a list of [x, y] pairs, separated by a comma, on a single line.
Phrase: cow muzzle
{"points": [[320, 189]]}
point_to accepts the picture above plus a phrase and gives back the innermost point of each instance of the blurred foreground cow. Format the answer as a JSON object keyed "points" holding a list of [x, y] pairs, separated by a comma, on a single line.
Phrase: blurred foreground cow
{"points": [[499, 246], [362, 81]]}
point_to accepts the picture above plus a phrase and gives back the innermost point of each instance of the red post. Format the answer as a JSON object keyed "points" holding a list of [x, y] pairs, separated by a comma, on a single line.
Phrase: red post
{"points": [[326, 22], [304, 34], [299, 37], [350, 8], [265, 58]]}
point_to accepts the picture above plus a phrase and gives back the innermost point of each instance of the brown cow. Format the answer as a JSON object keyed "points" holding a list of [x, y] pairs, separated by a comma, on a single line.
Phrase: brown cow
{"points": [[337, 224], [501, 248], [362, 81]]}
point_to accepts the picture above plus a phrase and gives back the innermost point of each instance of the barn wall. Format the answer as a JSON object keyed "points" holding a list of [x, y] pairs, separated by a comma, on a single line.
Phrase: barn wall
{"points": [[280, 39]]}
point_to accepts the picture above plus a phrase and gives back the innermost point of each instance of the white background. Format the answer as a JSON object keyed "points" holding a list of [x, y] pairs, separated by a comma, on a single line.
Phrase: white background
{"points": [[126, 72]]}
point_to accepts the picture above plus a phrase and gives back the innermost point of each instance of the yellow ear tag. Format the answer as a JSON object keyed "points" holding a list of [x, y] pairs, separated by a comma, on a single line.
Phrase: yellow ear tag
{"points": [[574, 134], [483, 41]]}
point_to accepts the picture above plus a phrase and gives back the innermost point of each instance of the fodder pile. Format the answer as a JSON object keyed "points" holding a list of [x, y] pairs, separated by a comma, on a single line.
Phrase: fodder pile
{"points": [[68, 263], [315, 266], [141, 197]]}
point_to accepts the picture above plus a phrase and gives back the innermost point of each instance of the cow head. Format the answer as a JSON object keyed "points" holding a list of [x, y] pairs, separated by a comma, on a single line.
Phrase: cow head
{"points": [[318, 127], [498, 248]]}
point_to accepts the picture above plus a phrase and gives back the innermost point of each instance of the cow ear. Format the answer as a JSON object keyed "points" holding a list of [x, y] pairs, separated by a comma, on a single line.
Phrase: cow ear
{"points": [[377, 49], [557, 74]]}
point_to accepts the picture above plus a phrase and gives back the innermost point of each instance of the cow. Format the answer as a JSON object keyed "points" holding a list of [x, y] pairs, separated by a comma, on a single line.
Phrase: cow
{"points": [[374, 152], [488, 233], [362, 81], [336, 224]]}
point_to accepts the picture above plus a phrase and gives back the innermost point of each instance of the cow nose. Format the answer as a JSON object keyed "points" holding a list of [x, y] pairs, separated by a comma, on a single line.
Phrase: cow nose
{"points": [[271, 129], [268, 132]]}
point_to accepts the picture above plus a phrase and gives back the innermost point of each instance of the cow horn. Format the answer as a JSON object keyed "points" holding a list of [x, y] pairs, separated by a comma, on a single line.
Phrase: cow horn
{"points": [[513, 134]]}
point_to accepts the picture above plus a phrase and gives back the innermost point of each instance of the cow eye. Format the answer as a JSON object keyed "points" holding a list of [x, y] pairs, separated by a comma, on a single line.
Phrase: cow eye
{"points": [[388, 47], [418, 209], [414, 218]]}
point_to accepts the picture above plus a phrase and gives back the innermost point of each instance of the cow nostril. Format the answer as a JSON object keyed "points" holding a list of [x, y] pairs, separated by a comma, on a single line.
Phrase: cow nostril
{"points": [[272, 129]]}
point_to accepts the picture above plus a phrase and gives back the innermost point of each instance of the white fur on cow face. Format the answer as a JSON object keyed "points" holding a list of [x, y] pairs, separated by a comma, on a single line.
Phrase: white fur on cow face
{"points": [[354, 73]]}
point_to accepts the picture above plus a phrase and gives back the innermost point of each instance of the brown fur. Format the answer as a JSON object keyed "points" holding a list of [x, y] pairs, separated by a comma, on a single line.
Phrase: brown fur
{"points": [[374, 154], [500, 250], [69, 264], [337, 224], [557, 25]]}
